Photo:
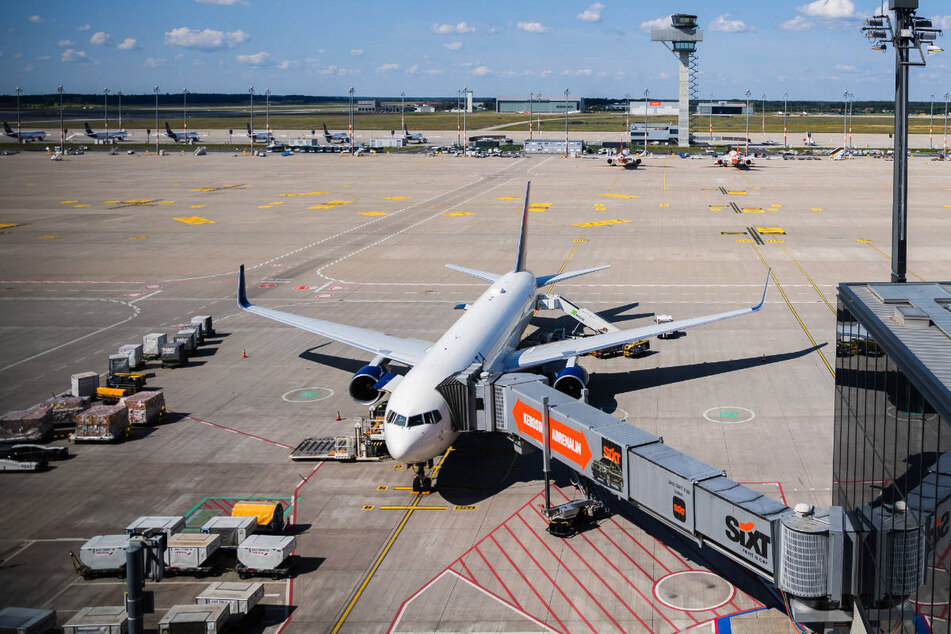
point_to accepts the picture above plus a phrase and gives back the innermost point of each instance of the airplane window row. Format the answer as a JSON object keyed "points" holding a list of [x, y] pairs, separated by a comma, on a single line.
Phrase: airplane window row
{"points": [[429, 418]]}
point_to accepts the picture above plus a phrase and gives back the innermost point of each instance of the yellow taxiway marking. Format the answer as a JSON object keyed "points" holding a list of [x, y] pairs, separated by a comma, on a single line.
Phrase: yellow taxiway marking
{"points": [[315, 206], [776, 205], [195, 220], [400, 198], [601, 223], [197, 206], [619, 195], [137, 237], [382, 487], [869, 243], [664, 205], [464, 507], [545, 205], [7, 225], [47, 237], [773, 230], [743, 240], [68, 202], [367, 507], [753, 210], [166, 202], [373, 213], [138, 201], [80, 205], [110, 202], [414, 508], [947, 205], [817, 208], [304, 194], [506, 198], [774, 241], [712, 208], [458, 213], [803, 271], [737, 192], [338, 202], [276, 202], [267, 207]]}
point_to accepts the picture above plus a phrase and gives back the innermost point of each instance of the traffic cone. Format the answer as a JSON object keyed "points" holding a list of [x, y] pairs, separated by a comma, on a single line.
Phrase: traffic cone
{"points": [[338, 415], [244, 354]]}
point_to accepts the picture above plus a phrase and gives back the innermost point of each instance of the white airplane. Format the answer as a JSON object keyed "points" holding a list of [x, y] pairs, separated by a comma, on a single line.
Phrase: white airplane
{"points": [[734, 159], [335, 137], [264, 137], [413, 137], [119, 135], [418, 425], [181, 137], [23, 135], [625, 159]]}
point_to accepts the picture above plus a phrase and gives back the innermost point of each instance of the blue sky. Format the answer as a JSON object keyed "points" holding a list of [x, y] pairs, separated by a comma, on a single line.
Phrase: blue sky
{"points": [[812, 49]]}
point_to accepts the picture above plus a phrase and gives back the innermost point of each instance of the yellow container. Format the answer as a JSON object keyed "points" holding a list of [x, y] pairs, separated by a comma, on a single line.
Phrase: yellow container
{"points": [[269, 514]]}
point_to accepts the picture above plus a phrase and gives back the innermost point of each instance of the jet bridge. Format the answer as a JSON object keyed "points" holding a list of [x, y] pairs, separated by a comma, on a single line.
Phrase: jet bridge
{"points": [[817, 557]]}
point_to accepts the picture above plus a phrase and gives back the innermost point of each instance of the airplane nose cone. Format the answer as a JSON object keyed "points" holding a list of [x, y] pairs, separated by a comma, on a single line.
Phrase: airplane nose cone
{"points": [[398, 442]]}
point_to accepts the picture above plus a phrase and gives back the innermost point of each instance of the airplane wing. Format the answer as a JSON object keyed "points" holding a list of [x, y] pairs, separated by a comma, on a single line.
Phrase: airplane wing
{"points": [[560, 350], [408, 351]]}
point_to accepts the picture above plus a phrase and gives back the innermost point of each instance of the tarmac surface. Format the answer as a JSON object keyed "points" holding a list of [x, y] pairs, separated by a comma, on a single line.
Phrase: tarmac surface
{"points": [[99, 250]]}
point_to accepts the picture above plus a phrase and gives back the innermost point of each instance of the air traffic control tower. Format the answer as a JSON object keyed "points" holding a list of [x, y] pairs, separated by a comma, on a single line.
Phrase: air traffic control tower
{"points": [[681, 38]]}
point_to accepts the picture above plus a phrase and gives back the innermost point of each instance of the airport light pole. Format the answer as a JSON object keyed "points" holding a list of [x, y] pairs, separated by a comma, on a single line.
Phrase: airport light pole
{"points": [[647, 95], [845, 119], [627, 115], [785, 108], [909, 32], [748, 93], [62, 130], [763, 134], [251, 125], [351, 119], [851, 112], [458, 119], [931, 125], [267, 116], [531, 112], [155, 89], [19, 138], [711, 118], [465, 109], [185, 113], [946, 125], [119, 94], [403, 110], [105, 112]]}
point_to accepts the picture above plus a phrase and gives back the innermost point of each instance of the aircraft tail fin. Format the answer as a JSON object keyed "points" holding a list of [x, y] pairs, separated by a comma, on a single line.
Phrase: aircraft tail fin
{"points": [[523, 234], [243, 302], [88, 129], [249, 128], [6, 128]]}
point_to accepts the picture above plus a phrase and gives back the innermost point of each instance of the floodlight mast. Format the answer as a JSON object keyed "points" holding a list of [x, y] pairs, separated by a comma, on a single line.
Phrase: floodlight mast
{"points": [[909, 32]]}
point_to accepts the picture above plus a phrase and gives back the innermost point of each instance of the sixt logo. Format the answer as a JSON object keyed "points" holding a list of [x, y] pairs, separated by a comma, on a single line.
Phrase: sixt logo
{"points": [[611, 451], [680, 509], [743, 533]]}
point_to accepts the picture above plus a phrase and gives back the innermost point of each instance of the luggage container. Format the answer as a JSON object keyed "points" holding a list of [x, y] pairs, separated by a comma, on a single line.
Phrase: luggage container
{"points": [[112, 395], [206, 325], [65, 408], [15, 620], [99, 620], [85, 384], [241, 596], [132, 382], [102, 424], [134, 352], [152, 345], [168, 524], [267, 555], [232, 530], [118, 363], [190, 552], [103, 553], [145, 408], [189, 337], [9, 464], [269, 514], [31, 425], [174, 354], [188, 619]]}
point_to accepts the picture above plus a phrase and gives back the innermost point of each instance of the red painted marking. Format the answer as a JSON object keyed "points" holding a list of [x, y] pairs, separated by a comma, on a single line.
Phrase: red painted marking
{"points": [[151, 286], [527, 582], [323, 295], [266, 285], [290, 582], [469, 572], [134, 294], [219, 505], [634, 539], [301, 288], [336, 288], [237, 431], [565, 440], [466, 576], [498, 578], [578, 581]]}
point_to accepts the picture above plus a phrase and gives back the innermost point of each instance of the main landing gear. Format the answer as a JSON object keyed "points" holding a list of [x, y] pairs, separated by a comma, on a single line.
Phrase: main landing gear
{"points": [[421, 482]]}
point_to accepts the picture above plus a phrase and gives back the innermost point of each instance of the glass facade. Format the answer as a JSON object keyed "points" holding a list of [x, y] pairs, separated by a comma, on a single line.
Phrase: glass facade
{"points": [[890, 471]]}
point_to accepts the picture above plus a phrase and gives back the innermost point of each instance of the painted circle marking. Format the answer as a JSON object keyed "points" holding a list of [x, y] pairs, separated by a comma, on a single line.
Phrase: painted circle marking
{"points": [[301, 288], [323, 295], [693, 590], [266, 285], [729, 415], [307, 394], [150, 286], [917, 417], [336, 288], [134, 294]]}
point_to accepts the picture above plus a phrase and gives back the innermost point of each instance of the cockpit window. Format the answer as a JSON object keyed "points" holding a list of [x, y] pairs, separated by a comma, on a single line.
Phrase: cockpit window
{"points": [[400, 420], [390, 416], [415, 420], [433, 417]]}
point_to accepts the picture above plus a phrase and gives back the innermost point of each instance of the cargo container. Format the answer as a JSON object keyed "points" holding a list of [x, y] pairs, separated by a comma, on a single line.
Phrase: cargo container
{"points": [[188, 619], [190, 552], [104, 553], [85, 384], [102, 424], [65, 408], [189, 337], [241, 596], [98, 620], [265, 555], [232, 530], [388, 141], [152, 345], [14, 620], [145, 408], [206, 324], [269, 514], [134, 352], [199, 332], [168, 524], [119, 363], [31, 425], [174, 354]]}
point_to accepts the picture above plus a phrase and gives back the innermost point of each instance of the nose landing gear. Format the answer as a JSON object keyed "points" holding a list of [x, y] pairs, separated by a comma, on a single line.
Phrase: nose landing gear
{"points": [[421, 482]]}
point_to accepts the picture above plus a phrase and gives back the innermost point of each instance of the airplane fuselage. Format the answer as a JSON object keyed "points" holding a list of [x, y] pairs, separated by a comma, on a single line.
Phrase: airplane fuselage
{"points": [[489, 329]]}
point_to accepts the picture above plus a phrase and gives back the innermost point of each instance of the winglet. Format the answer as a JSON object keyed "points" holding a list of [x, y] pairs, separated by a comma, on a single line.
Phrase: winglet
{"points": [[522, 239], [762, 301], [243, 302]]}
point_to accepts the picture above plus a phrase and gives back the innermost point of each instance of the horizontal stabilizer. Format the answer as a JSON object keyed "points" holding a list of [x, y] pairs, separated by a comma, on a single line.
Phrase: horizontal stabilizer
{"points": [[482, 275], [559, 277]]}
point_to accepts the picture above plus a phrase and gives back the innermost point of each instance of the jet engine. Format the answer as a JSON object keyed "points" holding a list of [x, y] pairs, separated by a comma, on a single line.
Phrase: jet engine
{"points": [[361, 385], [748, 162], [571, 381]]}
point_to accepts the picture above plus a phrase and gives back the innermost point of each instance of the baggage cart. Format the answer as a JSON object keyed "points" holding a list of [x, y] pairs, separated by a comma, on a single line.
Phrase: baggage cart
{"points": [[84, 384], [187, 619], [152, 345], [65, 408], [174, 354], [168, 524], [102, 555], [241, 596], [232, 530], [265, 555], [191, 553], [102, 424], [31, 425], [206, 324], [118, 363], [146, 408], [134, 352], [189, 337], [269, 514], [98, 620], [26, 620]]}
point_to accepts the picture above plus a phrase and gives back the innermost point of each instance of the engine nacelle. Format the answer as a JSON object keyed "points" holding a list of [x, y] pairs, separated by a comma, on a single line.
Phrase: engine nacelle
{"points": [[571, 381], [748, 162], [610, 161], [361, 385]]}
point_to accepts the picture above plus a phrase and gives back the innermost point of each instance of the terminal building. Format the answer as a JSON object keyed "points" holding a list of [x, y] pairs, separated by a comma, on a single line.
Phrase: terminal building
{"points": [[654, 108], [552, 146], [891, 462], [724, 107], [538, 103]]}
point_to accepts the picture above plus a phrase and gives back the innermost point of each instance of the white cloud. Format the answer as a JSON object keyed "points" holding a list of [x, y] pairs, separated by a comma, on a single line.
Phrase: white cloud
{"points": [[545, 73], [43, 58], [659, 23], [101, 38], [206, 39], [84, 27], [829, 9], [128, 44], [942, 22], [66, 43], [798, 23], [592, 13], [444, 29], [28, 68], [413, 70], [258, 59], [581, 72], [453, 46], [432, 71], [849, 68], [356, 51], [35, 19], [726, 25], [479, 71], [385, 68], [72, 56], [532, 27], [288, 64], [229, 3], [155, 62], [662, 76]]}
